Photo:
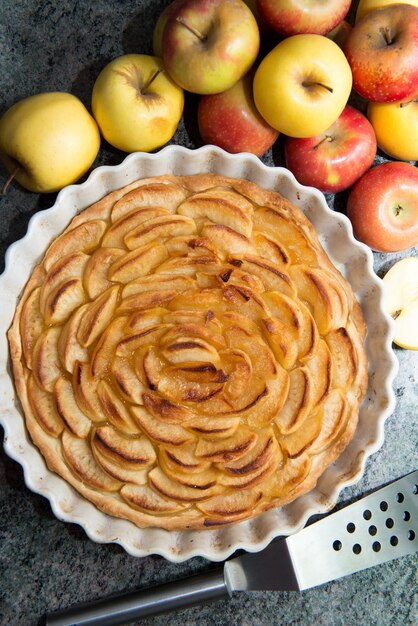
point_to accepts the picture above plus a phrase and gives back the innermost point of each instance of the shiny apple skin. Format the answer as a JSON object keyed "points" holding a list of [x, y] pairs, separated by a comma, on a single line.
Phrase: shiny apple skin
{"points": [[382, 72], [396, 127], [335, 159], [383, 207], [231, 121], [294, 17], [230, 44]]}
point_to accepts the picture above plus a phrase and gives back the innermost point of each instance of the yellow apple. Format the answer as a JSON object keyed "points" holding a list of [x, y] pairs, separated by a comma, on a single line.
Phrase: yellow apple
{"points": [[302, 86], [365, 6], [48, 141], [401, 301], [136, 104], [396, 128]]}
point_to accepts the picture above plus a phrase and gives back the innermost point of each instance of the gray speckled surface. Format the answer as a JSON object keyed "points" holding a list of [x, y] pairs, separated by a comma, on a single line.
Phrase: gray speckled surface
{"points": [[46, 564]]}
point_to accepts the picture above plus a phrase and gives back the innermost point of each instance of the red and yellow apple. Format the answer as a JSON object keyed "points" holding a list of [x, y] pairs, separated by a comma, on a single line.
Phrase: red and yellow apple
{"points": [[231, 121], [208, 45], [48, 141], [136, 105], [335, 159], [396, 128], [302, 86], [383, 207], [157, 36], [382, 50], [294, 17], [365, 6]]}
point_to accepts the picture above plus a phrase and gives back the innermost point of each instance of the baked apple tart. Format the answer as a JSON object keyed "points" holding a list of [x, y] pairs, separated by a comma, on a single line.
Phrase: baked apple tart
{"points": [[186, 355]]}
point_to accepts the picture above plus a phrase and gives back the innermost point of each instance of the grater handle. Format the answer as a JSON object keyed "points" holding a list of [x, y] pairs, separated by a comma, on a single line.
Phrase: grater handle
{"points": [[375, 529]]}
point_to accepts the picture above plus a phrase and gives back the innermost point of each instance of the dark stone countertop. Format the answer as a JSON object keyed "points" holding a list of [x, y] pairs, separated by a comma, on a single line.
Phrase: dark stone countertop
{"points": [[47, 564]]}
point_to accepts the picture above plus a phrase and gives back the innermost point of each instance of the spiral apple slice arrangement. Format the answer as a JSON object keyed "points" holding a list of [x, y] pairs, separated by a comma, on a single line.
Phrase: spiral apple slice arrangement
{"points": [[332, 91]]}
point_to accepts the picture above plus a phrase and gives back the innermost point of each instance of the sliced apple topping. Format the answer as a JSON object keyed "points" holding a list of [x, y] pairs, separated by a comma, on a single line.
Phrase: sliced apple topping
{"points": [[65, 268], [80, 459], [214, 428], [104, 350], [137, 263], [67, 408], [182, 493], [277, 225], [230, 507], [229, 449], [159, 431], [146, 499], [96, 279], [44, 409], [227, 240], [159, 228], [85, 392], [129, 344], [294, 471], [302, 439], [321, 369], [183, 460], [149, 194], [299, 400], [223, 207], [115, 235], [164, 410], [31, 324], [271, 249], [157, 282], [126, 380], [69, 348], [46, 364], [334, 414], [85, 238], [97, 316], [63, 300], [128, 452], [114, 408], [343, 358], [273, 277]]}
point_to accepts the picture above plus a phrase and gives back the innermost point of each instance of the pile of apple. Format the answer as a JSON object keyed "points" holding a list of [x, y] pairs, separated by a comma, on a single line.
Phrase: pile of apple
{"points": [[299, 89]]}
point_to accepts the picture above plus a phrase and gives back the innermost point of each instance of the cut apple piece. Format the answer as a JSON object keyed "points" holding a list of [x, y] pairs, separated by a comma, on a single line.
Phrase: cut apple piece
{"points": [[401, 301], [145, 499], [160, 432], [230, 507], [31, 324], [114, 237], [80, 459], [44, 409], [46, 364], [127, 452], [149, 195], [98, 316], [115, 410], [73, 417], [138, 262], [181, 493], [299, 401], [84, 238], [96, 279]]}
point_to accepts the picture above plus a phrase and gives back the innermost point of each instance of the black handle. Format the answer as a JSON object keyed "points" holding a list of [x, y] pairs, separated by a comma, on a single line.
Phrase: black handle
{"points": [[118, 610]]}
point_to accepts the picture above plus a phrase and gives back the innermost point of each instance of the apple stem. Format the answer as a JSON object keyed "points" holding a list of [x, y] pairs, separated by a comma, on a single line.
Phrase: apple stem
{"points": [[326, 138], [386, 35], [8, 182], [396, 314], [191, 28], [311, 84], [150, 81], [405, 104]]}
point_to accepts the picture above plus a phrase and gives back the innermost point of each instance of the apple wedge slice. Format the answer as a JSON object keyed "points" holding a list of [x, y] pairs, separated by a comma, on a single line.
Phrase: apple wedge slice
{"points": [[401, 301]]}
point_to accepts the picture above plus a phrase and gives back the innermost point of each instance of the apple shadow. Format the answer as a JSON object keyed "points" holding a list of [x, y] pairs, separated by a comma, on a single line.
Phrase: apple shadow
{"points": [[137, 36]]}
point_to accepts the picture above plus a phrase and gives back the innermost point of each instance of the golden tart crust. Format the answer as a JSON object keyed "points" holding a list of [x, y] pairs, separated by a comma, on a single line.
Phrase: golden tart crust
{"points": [[186, 354]]}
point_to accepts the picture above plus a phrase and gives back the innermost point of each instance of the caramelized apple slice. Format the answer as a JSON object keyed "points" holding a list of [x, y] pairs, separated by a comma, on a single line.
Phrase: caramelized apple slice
{"points": [[69, 348], [85, 392], [161, 432], [149, 194], [299, 401], [126, 380], [181, 493], [127, 452], [96, 274], [75, 420], [124, 474], [229, 449], [273, 277], [321, 368], [159, 228], [271, 249], [301, 440], [80, 459], [85, 238], [183, 460], [344, 358], [46, 363], [31, 325], [164, 410], [115, 410], [157, 282], [334, 414], [44, 409], [105, 348], [214, 428], [63, 300], [226, 240], [230, 507], [145, 499], [293, 473], [97, 317], [139, 262], [114, 237], [70, 266]]}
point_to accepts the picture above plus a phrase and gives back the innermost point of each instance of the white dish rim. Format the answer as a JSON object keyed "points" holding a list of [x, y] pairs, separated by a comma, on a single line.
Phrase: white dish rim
{"points": [[348, 254]]}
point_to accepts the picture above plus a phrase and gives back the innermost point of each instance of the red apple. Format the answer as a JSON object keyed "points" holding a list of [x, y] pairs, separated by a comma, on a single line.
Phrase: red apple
{"points": [[208, 45], [383, 207], [294, 17], [382, 50], [231, 121], [335, 159]]}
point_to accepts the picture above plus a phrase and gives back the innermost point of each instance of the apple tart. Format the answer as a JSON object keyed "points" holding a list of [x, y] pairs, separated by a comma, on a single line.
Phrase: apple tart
{"points": [[186, 354]]}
